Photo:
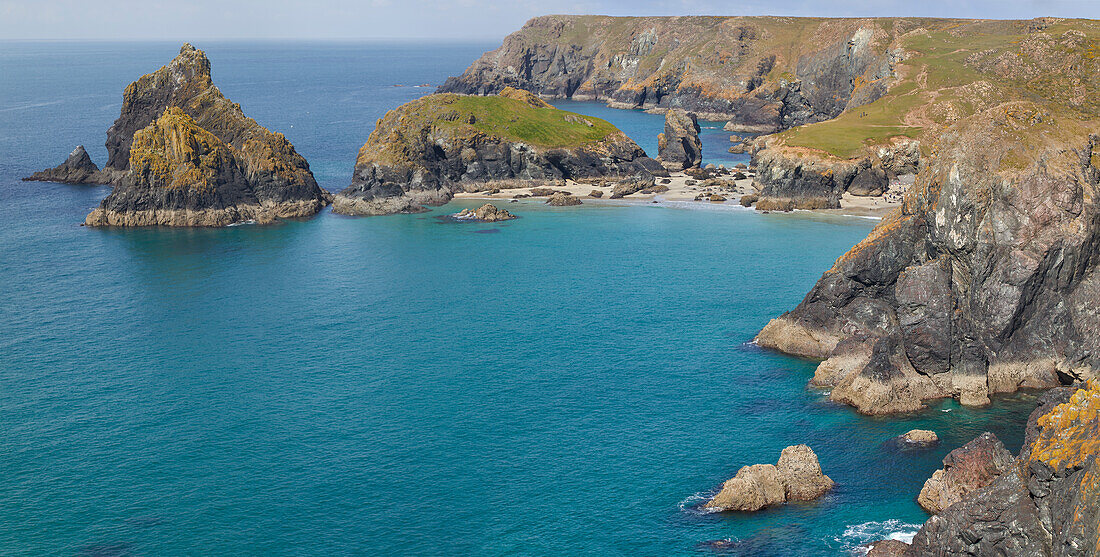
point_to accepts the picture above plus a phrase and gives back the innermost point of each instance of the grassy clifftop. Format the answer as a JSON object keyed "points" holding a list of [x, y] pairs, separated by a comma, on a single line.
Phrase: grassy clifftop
{"points": [[949, 74], [513, 116]]}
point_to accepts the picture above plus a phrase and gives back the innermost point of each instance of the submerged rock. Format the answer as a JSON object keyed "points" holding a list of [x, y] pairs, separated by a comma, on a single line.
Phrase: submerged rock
{"points": [[77, 169], [796, 477], [425, 151], [679, 146], [486, 213]]}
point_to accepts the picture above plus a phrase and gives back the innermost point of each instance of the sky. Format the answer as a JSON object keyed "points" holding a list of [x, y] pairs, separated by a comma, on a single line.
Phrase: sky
{"points": [[417, 19]]}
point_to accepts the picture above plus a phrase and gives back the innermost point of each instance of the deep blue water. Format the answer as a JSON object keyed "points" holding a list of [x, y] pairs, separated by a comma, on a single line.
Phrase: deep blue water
{"points": [[573, 382]]}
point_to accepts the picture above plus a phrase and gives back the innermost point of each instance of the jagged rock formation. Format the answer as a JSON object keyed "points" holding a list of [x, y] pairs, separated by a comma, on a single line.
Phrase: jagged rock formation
{"points": [[423, 152], [762, 73], [796, 477], [182, 175], [1048, 500], [486, 213], [800, 178], [965, 469], [984, 280], [277, 177], [679, 146], [77, 169]]}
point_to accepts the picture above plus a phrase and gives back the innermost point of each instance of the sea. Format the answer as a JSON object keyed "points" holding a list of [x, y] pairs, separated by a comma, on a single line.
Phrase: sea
{"points": [[577, 381]]}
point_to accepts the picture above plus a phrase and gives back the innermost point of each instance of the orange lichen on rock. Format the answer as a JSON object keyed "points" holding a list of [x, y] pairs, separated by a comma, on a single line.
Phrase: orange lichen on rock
{"points": [[175, 153], [1071, 431]]}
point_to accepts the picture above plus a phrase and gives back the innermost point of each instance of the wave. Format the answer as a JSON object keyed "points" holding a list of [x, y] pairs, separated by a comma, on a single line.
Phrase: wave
{"points": [[693, 504], [856, 536]]}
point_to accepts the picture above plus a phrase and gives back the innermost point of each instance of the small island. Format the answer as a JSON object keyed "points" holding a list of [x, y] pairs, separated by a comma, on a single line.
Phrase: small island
{"points": [[426, 151]]}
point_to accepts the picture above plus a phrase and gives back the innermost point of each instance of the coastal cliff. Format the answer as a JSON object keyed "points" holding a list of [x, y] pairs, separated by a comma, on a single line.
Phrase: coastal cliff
{"points": [[761, 73], [1045, 502], [984, 279], [275, 176], [425, 151]]}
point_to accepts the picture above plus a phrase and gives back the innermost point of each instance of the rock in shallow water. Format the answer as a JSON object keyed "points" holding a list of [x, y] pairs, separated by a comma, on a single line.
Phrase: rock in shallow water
{"points": [[561, 199], [965, 469], [486, 213], [796, 477], [77, 169]]}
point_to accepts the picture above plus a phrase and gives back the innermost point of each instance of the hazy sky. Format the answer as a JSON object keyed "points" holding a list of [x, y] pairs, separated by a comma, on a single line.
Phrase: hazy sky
{"points": [[387, 19]]}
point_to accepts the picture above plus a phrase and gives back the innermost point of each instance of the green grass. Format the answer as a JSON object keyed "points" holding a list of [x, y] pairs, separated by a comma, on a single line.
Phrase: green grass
{"points": [[518, 121], [848, 134]]}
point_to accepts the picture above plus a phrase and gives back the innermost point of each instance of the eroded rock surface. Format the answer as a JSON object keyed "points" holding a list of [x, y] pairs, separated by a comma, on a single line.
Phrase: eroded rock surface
{"points": [[77, 169], [965, 469], [679, 146], [486, 213], [796, 477]]}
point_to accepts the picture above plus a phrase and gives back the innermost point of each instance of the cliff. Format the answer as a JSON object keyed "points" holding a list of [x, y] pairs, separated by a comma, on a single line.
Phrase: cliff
{"points": [[1046, 503], [983, 281], [273, 171], [762, 73], [424, 151]]}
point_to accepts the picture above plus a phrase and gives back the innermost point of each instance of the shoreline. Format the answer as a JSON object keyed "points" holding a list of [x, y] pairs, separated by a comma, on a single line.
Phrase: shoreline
{"points": [[683, 190]]}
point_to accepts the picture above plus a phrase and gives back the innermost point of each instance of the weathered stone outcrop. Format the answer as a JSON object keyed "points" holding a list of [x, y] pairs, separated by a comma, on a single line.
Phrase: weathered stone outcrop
{"points": [[761, 73], [916, 439], [486, 213], [796, 477], [425, 151], [1046, 503], [679, 146], [965, 469], [984, 281], [277, 178], [77, 169], [563, 200], [182, 175], [799, 178]]}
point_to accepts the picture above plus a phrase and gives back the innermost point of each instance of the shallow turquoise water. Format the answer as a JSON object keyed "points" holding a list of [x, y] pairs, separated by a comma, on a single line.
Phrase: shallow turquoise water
{"points": [[571, 382]]}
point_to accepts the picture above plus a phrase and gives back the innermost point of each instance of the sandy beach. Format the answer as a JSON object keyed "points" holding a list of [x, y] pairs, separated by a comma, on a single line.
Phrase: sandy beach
{"points": [[684, 188]]}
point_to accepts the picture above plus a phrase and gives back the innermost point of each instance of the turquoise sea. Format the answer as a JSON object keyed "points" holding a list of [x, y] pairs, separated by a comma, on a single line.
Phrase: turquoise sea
{"points": [[573, 382]]}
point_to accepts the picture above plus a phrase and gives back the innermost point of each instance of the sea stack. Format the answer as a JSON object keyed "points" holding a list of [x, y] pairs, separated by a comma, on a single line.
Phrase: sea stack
{"points": [[77, 169], [679, 147], [425, 151], [200, 161]]}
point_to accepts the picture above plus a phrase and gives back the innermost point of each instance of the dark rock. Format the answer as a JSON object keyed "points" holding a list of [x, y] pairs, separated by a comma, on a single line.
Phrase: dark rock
{"points": [[748, 200], [77, 169], [595, 194], [679, 146]]}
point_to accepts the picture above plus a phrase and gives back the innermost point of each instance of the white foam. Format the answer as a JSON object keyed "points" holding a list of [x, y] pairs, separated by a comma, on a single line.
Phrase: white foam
{"points": [[857, 536]]}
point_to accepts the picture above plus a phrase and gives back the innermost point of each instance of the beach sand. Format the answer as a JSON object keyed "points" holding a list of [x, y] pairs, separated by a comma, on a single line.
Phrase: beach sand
{"points": [[683, 188]]}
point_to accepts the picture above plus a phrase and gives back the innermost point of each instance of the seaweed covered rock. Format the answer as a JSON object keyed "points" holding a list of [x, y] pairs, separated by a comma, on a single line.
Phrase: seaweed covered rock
{"points": [[679, 146], [425, 151], [77, 169]]}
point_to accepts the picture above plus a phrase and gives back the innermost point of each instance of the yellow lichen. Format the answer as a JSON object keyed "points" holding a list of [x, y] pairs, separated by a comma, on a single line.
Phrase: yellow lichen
{"points": [[1071, 431]]}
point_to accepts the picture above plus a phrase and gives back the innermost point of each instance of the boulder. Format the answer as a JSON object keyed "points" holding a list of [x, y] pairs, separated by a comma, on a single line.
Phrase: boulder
{"points": [[888, 548], [797, 477], [679, 146], [542, 192], [486, 213], [918, 438], [562, 199], [966, 469], [595, 194]]}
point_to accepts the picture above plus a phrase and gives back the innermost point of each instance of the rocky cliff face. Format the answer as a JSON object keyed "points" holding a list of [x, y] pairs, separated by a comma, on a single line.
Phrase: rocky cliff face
{"points": [[182, 175], [1047, 503], [679, 146], [274, 171], [800, 178], [425, 151], [762, 73], [984, 281]]}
